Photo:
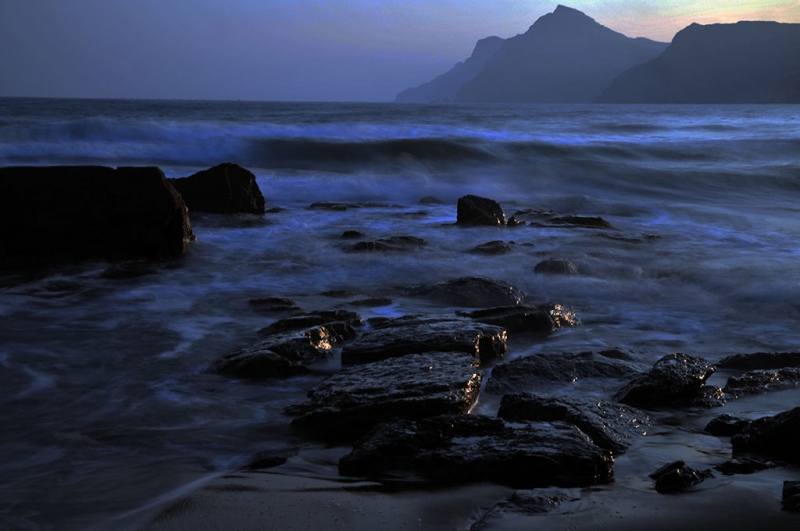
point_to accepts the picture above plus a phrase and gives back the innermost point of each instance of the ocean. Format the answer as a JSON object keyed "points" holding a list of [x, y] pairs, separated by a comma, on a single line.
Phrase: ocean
{"points": [[106, 402]]}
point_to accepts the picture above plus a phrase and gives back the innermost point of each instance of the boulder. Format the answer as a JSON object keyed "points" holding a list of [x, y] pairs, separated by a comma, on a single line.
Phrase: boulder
{"points": [[351, 402], [760, 361], [399, 337], [520, 374], [475, 210], [224, 189], [726, 426], [542, 319], [556, 266], [610, 426], [677, 477], [470, 292], [454, 449], [674, 380], [762, 381], [60, 214], [394, 243], [777, 437]]}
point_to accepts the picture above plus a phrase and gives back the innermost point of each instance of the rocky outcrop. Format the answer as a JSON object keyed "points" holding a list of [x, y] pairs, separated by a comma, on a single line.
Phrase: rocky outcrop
{"points": [[777, 437], [469, 292], [350, 403], [760, 360], [408, 335], [473, 448], [224, 189], [58, 214], [676, 380], [610, 426], [475, 210], [762, 381], [541, 319]]}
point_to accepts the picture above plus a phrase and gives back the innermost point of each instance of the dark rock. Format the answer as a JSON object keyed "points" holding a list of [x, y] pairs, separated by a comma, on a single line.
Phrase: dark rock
{"points": [[471, 292], [311, 319], [279, 355], [710, 396], [777, 437], [475, 210], [400, 337], [394, 243], [520, 374], [745, 465], [556, 266], [339, 293], [350, 403], [514, 222], [473, 448], [372, 302], [224, 189], [430, 200], [791, 496], [527, 502], [610, 426], [726, 426], [60, 214], [273, 304], [351, 235], [762, 381], [334, 207], [760, 360], [677, 477], [542, 319], [265, 460], [496, 247], [674, 380], [590, 222]]}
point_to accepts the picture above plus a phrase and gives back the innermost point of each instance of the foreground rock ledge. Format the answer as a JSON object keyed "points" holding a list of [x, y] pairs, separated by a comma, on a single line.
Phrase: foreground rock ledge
{"points": [[59, 214], [454, 449]]}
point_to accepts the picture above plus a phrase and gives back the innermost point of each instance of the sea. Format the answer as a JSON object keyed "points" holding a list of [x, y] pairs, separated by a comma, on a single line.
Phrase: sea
{"points": [[107, 405]]}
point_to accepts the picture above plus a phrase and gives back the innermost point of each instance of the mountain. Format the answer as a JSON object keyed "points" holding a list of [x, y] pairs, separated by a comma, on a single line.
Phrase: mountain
{"points": [[746, 62], [445, 87]]}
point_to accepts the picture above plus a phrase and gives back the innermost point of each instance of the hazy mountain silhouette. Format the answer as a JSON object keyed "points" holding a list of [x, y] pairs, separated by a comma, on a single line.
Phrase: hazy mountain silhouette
{"points": [[445, 87], [746, 62]]}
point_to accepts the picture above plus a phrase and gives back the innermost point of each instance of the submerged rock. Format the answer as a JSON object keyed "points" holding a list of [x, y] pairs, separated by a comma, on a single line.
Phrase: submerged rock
{"points": [[311, 319], [675, 380], [777, 437], [61, 214], [394, 243], [677, 477], [224, 189], [762, 381], [475, 210], [274, 304], [470, 292], [610, 426], [494, 248], [350, 403], [527, 502], [399, 337], [556, 266], [542, 319], [760, 360], [591, 222], [474, 448], [548, 218], [745, 465]]}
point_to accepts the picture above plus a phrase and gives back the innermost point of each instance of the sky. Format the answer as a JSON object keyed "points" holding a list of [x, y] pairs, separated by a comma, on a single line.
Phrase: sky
{"points": [[292, 50]]}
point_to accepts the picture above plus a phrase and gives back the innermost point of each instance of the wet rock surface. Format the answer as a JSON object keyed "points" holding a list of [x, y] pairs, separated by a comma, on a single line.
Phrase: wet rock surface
{"points": [[556, 266], [475, 210], [520, 374], [473, 448], [762, 381], [392, 244], [610, 426], [527, 502], [549, 218], [399, 337], [675, 380], [760, 360], [676, 477], [541, 319], [777, 437], [493, 248], [746, 465], [469, 292], [350, 403], [726, 425], [224, 189], [311, 319]]}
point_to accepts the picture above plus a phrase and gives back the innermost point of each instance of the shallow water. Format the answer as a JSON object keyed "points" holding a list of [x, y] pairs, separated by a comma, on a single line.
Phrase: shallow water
{"points": [[105, 396]]}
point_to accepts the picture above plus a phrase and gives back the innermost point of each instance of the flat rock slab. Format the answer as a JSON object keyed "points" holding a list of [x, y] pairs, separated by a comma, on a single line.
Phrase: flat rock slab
{"points": [[777, 437], [350, 403], [520, 374], [470, 292], [472, 448], [674, 380], [224, 189], [403, 336], [760, 360], [540, 319], [610, 426], [762, 381]]}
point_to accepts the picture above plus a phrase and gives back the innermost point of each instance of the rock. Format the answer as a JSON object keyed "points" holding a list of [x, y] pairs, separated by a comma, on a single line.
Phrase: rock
{"points": [[527, 502], [224, 189], [474, 210], [371, 302], [334, 207], [455, 449], [351, 235], [548, 218], [403, 336], [556, 266], [542, 319], [430, 200], [494, 248], [675, 380], [520, 374], [610, 426], [311, 319], [760, 360], [677, 477], [350, 403], [591, 222], [394, 243], [777, 437], [264, 460], [61, 214], [279, 355], [762, 381], [471, 292], [273, 304], [791, 496], [745, 465], [726, 426]]}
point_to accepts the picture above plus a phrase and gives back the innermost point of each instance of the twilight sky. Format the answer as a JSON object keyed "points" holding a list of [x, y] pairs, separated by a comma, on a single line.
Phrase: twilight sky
{"points": [[324, 50]]}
